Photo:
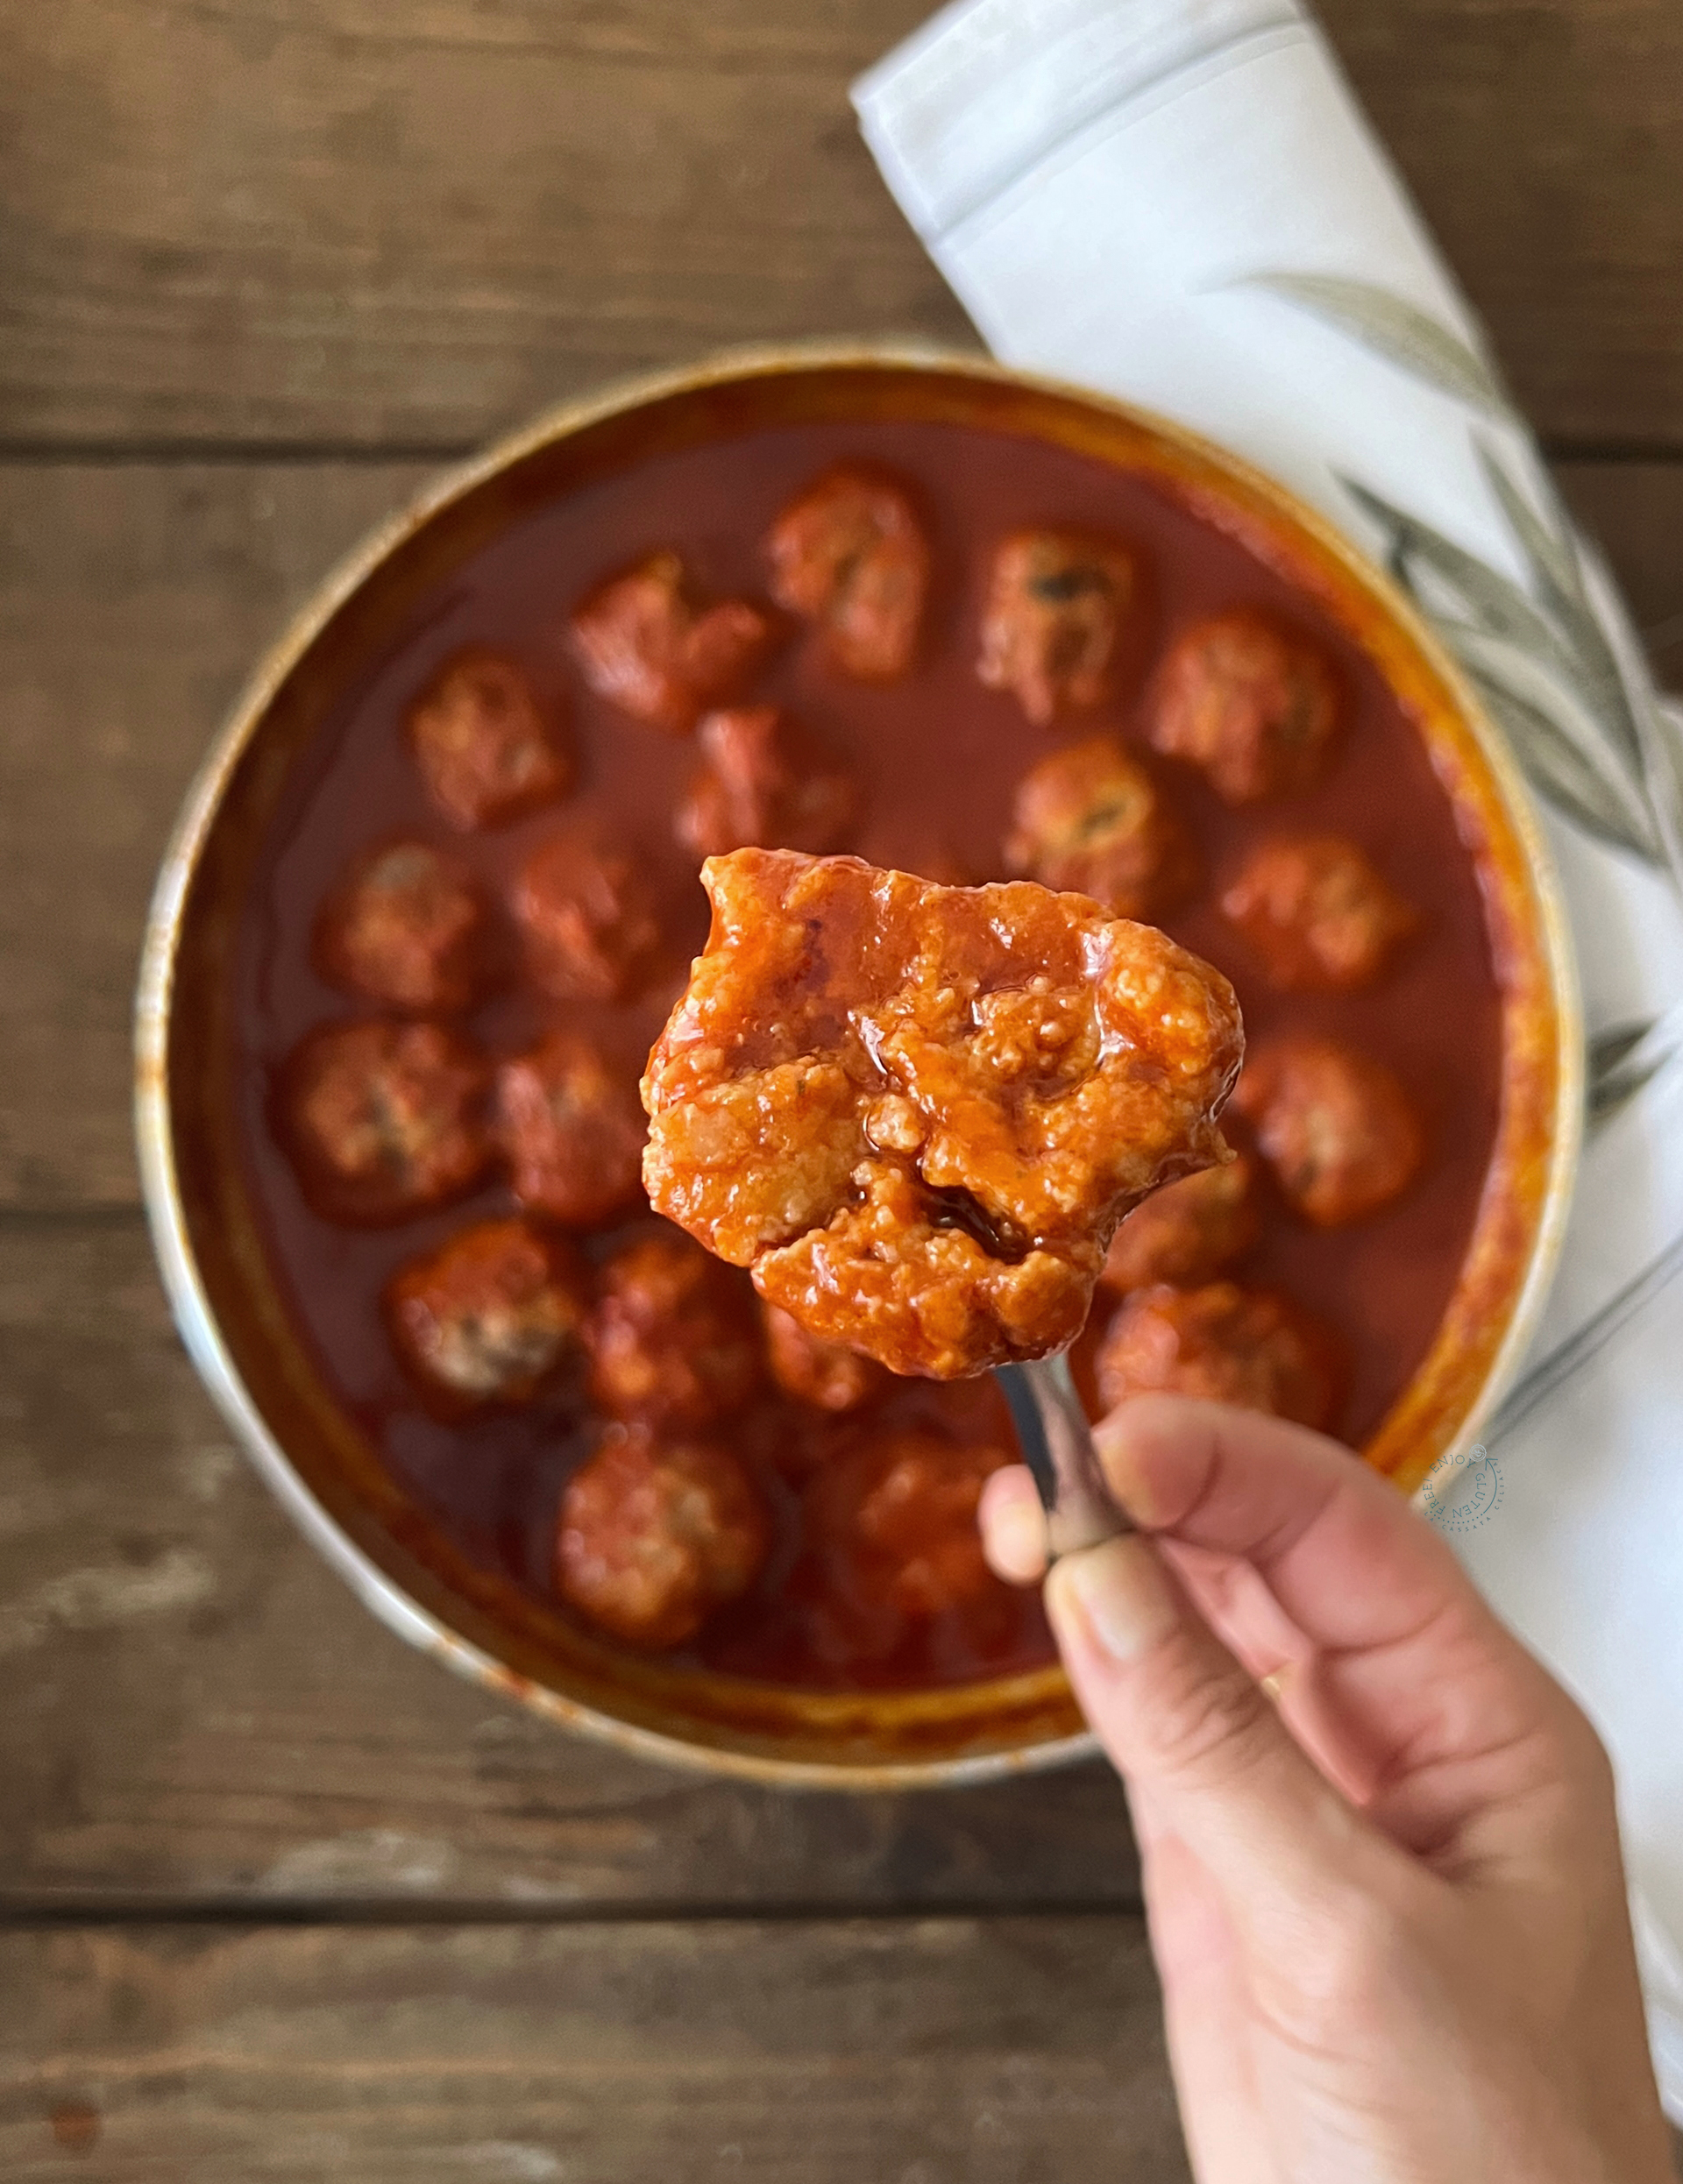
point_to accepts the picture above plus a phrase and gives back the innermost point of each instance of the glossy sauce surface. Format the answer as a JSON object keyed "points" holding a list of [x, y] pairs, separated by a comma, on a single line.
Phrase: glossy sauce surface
{"points": [[938, 757]]}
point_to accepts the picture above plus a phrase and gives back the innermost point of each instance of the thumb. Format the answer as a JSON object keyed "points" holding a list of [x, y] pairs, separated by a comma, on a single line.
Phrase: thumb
{"points": [[1186, 1726]]}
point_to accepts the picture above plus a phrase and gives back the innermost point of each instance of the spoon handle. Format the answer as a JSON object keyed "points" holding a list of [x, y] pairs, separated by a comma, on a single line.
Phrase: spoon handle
{"points": [[1057, 1446]]}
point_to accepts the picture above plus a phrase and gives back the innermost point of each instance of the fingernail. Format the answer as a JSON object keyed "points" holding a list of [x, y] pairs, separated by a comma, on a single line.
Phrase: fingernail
{"points": [[1119, 1595], [1016, 1538], [1143, 1448], [1113, 1437]]}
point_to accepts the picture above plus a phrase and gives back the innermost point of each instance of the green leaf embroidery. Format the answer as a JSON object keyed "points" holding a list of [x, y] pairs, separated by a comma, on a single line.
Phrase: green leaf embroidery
{"points": [[1495, 602], [1582, 718], [1562, 772], [1552, 555], [1473, 606], [1557, 563], [1661, 733], [1623, 1062], [1394, 328], [1569, 703]]}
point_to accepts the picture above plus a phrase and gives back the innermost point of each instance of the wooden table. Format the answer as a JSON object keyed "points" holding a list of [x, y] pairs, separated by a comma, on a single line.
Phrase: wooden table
{"points": [[281, 1900]]}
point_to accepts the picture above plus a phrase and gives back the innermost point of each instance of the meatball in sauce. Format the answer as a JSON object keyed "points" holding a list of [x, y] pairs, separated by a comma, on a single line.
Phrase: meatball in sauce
{"points": [[1254, 707], [491, 1315], [1090, 820], [1340, 1133], [645, 645], [383, 1120], [656, 1532], [1224, 1345], [901, 1515], [828, 1376], [486, 750], [1186, 1232], [586, 924], [764, 785], [409, 928], [673, 1338], [1317, 913], [571, 1127], [850, 555], [1050, 631]]}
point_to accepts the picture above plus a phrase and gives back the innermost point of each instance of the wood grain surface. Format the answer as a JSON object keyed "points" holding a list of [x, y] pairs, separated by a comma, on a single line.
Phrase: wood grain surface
{"points": [[352, 223], [134, 601], [264, 262], [913, 2052]]}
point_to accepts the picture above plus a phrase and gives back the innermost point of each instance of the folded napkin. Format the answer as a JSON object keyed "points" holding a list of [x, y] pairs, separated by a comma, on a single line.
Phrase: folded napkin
{"points": [[1179, 201]]}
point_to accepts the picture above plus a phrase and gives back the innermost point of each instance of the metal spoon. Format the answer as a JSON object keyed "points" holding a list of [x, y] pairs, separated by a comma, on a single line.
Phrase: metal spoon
{"points": [[1058, 1447]]}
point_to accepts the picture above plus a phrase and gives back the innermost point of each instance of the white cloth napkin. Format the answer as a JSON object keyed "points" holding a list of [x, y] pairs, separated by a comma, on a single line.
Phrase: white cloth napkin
{"points": [[1179, 201]]}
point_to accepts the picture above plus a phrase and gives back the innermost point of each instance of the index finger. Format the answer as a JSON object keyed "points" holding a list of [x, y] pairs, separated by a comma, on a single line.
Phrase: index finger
{"points": [[1343, 1553], [1445, 1698]]}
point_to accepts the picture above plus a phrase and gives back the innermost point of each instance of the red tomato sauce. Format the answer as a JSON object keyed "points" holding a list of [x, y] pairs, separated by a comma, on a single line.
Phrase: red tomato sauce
{"points": [[938, 757]]}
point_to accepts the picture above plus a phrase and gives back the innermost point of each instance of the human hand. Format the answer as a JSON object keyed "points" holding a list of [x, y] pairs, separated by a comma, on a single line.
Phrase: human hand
{"points": [[1389, 1908]]}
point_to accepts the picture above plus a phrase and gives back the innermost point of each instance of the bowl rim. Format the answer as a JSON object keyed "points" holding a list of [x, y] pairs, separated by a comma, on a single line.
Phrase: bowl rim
{"points": [[166, 1212]]}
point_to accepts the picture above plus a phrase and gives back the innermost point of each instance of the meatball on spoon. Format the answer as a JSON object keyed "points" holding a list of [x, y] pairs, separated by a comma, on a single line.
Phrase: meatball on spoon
{"points": [[917, 1113]]}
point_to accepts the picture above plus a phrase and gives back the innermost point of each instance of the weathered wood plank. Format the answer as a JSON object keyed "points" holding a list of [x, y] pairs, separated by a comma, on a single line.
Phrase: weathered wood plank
{"points": [[416, 226], [192, 1706], [133, 600], [332, 220], [1542, 142], [1635, 511], [927, 2053]]}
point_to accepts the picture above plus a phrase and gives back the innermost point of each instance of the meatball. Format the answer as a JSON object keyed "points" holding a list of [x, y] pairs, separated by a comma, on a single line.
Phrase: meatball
{"points": [[1186, 1232], [1317, 913], [1256, 708], [586, 922], [655, 1533], [1224, 1344], [918, 1112], [489, 1315], [485, 748], [827, 1376], [1055, 609], [384, 1120], [1092, 819], [571, 1129], [1338, 1131], [762, 785], [673, 1339], [407, 928], [642, 645], [850, 555], [900, 1516]]}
